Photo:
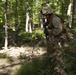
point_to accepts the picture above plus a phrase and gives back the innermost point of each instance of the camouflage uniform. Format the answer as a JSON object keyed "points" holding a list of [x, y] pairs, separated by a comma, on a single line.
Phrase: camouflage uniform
{"points": [[55, 36]]}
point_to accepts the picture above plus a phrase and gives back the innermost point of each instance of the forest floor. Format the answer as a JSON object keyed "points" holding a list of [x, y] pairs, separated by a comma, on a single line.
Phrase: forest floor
{"points": [[14, 57]]}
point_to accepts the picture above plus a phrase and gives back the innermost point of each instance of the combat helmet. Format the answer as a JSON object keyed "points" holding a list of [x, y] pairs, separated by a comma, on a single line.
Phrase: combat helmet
{"points": [[47, 10]]}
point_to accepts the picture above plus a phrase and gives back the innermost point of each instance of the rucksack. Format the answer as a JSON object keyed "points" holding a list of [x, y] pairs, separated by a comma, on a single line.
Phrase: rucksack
{"points": [[65, 29], [60, 17]]}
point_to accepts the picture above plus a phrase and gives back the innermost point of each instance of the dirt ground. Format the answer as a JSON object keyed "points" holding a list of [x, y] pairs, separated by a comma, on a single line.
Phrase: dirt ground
{"points": [[13, 58]]}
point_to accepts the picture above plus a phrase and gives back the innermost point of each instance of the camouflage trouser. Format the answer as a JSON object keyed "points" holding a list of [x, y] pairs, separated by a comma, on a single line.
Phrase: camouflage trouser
{"points": [[54, 51]]}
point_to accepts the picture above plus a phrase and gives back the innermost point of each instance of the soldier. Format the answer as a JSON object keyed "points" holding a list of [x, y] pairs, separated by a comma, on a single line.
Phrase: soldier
{"points": [[55, 36]]}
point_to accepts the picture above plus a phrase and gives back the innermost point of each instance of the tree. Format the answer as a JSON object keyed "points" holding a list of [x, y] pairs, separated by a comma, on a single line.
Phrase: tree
{"points": [[16, 21], [74, 14], [6, 33], [69, 14], [28, 21]]}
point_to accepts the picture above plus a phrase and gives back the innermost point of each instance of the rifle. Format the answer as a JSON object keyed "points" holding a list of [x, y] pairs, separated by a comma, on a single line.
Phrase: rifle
{"points": [[45, 28]]}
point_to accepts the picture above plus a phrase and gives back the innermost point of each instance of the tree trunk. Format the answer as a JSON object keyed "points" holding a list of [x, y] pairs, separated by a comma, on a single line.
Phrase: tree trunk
{"points": [[16, 22], [28, 27], [69, 14], [27, 17], [27, 21], [41, 24], [6, 33], [74, 14]]}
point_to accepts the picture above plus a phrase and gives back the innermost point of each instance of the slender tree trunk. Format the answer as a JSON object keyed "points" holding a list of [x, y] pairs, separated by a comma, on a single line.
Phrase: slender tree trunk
{"points": [[27, 17], [28, 27], [41, 24], [69, 15], [6, 33], [27, 21], [16, 22], [74, 14]]}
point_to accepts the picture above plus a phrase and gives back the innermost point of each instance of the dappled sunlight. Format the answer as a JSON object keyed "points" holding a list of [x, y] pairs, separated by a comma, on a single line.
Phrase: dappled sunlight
{"points": [[32, 42], [18, 55], [17, 51]]}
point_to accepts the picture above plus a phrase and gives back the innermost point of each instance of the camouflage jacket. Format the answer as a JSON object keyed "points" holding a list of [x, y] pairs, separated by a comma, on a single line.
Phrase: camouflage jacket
{"points": [[55, 25]]}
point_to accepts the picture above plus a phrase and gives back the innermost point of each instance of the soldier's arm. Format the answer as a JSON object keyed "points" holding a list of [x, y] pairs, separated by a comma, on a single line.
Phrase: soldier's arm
{"points": [[57, 26]]}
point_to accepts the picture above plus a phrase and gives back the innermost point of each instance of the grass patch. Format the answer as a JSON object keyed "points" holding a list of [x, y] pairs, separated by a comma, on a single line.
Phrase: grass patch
{"points": [[37, 66], [3, 55]]}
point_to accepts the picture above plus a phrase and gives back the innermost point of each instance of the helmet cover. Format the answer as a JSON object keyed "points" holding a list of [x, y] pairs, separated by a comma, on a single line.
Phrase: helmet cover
{"points": [[47, 10]]}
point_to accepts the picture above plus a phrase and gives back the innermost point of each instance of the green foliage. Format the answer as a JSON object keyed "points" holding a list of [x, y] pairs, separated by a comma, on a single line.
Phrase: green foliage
{"points": [[44, 65], [3, 55], [70, 57], [37, 66], [16, 13], [28, 37]]}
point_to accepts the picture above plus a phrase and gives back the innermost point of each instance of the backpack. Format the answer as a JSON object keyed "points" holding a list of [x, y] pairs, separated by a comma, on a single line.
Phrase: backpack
{"points": [[65, 31], [60, 17]]}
